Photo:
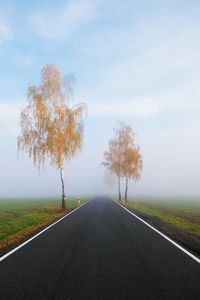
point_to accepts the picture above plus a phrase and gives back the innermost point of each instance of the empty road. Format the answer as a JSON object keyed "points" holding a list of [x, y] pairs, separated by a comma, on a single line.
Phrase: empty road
{"points": [[99, 252]]}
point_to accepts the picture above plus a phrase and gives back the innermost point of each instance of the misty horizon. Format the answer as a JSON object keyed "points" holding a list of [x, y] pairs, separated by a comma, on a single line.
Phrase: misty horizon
{"points": [[133, 62]]}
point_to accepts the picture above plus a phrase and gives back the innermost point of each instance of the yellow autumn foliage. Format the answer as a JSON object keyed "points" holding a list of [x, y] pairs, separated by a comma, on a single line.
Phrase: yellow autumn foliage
{"points": [[50, 128], [123, 157]]}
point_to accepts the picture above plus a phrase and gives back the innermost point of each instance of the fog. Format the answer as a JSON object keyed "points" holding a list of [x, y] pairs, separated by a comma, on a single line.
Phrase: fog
{"points": [[140, 66], [171, 166]]}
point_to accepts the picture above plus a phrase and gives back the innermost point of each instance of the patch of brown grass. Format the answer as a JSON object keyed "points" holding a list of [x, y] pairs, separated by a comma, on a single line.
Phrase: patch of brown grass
{"points": [[28, 232]]}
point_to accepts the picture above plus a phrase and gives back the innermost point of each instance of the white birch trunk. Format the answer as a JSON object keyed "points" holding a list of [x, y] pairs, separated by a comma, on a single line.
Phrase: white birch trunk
{"points": [[119, 188], [63, 187]]}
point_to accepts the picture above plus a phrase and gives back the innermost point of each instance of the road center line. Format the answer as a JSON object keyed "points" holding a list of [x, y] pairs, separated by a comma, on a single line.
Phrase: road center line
{"points": [[163, 235]]}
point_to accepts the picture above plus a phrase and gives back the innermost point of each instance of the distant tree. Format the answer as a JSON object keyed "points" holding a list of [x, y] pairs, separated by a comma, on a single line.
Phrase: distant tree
{"points": [[50, 128], [123, 158], [113, 161], [109, 179], [114, 156], [132, 166]]}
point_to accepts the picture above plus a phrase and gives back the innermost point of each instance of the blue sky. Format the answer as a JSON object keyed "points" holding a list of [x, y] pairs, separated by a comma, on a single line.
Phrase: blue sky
{"points": [[135, 61]]}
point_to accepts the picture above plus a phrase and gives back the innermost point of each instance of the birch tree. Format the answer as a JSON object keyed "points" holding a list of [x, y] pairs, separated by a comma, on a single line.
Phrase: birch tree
{"points": [[132, 166], [51, 129], [131, 157], [123, 157], [113, 161], [113, 158]]}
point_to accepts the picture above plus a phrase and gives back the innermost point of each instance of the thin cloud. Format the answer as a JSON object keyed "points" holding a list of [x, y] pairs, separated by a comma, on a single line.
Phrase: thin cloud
{"points": [[5, 29], [59, 24], [163, 79], [9, 119], [142, 108], [177, 100]]}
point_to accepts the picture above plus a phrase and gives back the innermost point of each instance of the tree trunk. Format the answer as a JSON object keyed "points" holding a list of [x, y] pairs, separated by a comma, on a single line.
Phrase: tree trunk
{"points": [[119, 189], [126, 190], [63, 188]]}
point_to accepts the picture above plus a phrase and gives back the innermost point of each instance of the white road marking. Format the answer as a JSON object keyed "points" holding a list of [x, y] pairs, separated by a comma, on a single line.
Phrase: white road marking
{"points": [[39, 233], [167, 238]]}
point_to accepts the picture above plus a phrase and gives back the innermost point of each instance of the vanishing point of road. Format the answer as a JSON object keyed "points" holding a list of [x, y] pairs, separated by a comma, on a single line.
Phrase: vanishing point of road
{"points": [[100, 251]]}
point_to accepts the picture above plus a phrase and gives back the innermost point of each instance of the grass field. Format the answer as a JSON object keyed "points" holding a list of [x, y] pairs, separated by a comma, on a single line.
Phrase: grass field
{"points": [[182, 213], [21, 217]]}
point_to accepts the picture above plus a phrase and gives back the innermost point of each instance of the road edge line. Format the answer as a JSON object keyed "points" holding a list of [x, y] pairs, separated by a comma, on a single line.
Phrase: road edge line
{"points": [[163, 235], [39, 233]]}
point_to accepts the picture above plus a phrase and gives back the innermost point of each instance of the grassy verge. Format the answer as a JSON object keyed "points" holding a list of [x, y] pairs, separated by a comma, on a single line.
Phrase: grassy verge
{"points": [[21, 218], [182, 214]]}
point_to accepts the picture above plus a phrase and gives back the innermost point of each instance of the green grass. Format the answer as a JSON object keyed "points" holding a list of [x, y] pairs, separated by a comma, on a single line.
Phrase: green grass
{"points": [[187, 206], [21, 217], [183, 214]]}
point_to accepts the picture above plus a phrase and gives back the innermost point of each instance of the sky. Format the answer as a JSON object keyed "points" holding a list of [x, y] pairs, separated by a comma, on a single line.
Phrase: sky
{"points": [[134, 61]]}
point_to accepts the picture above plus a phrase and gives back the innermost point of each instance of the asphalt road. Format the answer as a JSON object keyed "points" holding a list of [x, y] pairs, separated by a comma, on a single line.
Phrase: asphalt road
{"points": [[99, 252]]}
